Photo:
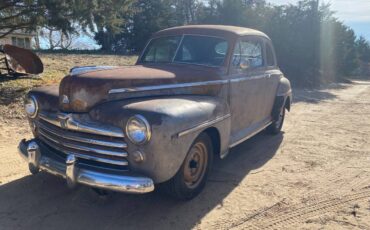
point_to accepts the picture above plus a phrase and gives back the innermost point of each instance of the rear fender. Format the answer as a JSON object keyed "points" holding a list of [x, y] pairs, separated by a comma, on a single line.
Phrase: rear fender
{"points": [[283, 97]]}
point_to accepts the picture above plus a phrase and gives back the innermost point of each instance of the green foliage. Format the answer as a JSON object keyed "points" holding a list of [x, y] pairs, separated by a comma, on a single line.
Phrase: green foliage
{"points": [[363, 49], [62, 14], [153, 15], [312, 46], [146, 17], [15, 15]]}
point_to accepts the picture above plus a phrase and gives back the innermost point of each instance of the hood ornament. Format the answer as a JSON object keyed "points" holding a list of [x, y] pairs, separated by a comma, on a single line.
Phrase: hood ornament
{"points": [[63, 119]]}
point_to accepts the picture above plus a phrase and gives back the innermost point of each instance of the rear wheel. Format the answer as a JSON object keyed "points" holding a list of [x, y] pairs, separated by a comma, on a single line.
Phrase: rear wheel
{"points": [[277, 124], [191, 178]]}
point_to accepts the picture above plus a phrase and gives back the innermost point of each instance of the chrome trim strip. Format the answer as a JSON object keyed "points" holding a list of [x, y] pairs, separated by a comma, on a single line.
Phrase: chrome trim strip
{"points": [[51, 118], [250, 135], [203, 125], [119, 183], [67, 121], [83, 156], [74, 137], [248, 78], [85, 69], [84, 148], [168, 86], [98, 159]]}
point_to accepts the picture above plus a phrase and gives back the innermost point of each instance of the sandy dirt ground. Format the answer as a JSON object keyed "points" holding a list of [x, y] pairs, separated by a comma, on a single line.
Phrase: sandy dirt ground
{"points": [[314, 175]]}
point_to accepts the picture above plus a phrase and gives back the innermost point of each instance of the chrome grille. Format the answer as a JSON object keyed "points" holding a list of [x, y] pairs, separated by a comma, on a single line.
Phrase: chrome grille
{"points": [[75, 134]]}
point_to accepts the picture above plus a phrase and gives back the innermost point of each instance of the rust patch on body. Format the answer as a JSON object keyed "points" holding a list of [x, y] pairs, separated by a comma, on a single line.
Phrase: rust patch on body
{"points": [[91, 88]]}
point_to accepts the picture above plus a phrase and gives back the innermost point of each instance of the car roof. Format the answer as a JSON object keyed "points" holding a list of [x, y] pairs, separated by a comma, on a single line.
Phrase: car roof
{"points": [[211, 30]]}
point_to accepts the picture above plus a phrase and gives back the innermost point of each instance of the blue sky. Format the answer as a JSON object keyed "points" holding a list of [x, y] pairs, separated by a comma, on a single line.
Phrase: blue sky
{"points": [[354, 13]]}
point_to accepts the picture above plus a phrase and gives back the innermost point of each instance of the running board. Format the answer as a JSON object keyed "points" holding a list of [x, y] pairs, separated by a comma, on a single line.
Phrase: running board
{"points": [[250, 135]]}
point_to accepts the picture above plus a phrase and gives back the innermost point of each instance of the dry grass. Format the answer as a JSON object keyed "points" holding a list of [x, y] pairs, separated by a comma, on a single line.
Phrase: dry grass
{"points": [[314, 175], [56, 66]]}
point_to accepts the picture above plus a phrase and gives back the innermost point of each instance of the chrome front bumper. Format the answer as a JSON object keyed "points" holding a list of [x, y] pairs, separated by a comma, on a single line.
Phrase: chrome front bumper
{"points": [[69, 170]]}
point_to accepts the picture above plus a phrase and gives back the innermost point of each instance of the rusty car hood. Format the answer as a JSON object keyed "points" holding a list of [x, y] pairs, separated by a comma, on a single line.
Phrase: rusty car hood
{"points": [[86, 87]]}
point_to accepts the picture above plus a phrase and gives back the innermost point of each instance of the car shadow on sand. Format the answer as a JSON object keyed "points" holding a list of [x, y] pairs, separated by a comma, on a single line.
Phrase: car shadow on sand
{"points": [[43, 201]]}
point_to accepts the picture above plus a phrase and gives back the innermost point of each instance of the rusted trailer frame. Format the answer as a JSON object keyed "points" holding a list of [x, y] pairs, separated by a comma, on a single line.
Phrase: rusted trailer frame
{"points": [[4, 65]]}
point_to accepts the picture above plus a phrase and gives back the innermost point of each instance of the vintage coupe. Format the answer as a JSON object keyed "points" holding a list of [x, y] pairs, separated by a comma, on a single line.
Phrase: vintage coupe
{"points": [[194, 93]]}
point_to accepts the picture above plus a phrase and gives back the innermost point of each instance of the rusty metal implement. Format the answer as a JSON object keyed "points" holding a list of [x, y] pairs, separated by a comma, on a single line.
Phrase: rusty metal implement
{"points": [[18, 61]]}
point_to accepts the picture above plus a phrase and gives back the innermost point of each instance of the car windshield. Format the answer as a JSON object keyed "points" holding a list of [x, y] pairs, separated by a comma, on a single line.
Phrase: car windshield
{"points": [[192, 49]]}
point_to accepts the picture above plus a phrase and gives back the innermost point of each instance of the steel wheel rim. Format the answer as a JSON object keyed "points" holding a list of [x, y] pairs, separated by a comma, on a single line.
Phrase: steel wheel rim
{"points": [[195, 165]]}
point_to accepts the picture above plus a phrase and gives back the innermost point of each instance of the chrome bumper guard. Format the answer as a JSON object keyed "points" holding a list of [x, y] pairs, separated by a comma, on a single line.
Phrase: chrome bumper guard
{"points": [[69, 170]]}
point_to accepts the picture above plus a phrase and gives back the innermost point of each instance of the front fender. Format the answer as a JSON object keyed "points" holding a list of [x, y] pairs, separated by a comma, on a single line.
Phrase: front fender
{"points": [[47, 97], [175, 123]]}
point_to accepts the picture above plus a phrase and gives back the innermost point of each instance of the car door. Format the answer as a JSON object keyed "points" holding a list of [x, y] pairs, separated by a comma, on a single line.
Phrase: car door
{"points": [[272, 79], [247, 77]]}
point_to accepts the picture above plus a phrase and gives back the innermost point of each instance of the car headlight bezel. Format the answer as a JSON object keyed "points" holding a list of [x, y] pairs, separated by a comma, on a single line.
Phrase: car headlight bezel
{"points": [[145, 132], [31, 106]]}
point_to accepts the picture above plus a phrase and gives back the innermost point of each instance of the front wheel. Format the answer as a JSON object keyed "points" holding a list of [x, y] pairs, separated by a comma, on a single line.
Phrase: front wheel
{"points": [[191, 178], [277, 124]]}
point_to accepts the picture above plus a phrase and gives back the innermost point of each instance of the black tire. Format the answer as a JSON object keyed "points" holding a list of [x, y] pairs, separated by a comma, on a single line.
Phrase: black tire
{"points": [[277, 124], [179, 186], [33, 170]]}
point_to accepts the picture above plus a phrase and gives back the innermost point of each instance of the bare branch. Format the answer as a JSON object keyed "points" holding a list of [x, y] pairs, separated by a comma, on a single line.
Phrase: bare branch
{"points": [[12, 28]]}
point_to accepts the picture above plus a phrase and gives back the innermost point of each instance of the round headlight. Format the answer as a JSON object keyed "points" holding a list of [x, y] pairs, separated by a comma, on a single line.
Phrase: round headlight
{"points": [[138, 129], [31, 106]]}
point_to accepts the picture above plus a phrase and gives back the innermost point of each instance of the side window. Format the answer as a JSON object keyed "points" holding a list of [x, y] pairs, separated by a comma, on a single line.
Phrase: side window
{"points": [[27, 43], [251, 53], [161, 49], [235, 62], [248, 54], [221, 48], [186, 55], [270, 59], [202, 50], [14, 41], [20, 42]]}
